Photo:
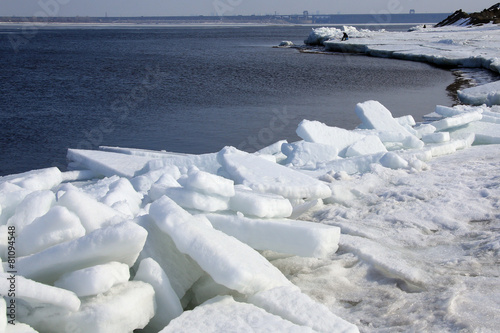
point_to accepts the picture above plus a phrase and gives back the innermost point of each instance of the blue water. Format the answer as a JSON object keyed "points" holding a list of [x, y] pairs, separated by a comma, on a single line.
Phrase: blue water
{"points": [[186, 89]]}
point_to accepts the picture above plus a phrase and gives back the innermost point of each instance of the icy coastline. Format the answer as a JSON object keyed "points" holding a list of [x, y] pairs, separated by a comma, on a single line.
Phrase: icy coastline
{"points": [[391, 226]]}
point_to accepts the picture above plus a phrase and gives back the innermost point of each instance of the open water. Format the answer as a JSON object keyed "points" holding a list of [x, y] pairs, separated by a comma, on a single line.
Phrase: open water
{"points": [[186, 89]]}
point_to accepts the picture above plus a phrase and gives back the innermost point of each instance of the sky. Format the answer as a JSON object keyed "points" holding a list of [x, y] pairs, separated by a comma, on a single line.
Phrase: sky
{"points": [[230, 7]]}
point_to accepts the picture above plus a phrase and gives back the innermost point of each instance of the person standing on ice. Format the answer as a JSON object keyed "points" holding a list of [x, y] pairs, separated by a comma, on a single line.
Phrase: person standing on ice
{"points": [[345, 37]]}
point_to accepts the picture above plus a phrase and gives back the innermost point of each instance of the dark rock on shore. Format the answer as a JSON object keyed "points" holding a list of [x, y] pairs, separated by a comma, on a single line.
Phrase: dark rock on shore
{"points": [[462, 18]]}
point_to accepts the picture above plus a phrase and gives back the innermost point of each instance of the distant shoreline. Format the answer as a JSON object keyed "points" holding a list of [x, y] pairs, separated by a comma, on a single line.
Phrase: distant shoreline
{"points": [[305, 19]]}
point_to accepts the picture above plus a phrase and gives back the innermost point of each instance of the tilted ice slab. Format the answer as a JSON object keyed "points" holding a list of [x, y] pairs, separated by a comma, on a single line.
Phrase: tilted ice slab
{"points": [[457, 121], [182, 271], [43, 179], [228, 261], [168, 305], [224, 314], [374, 115], [291, 304], [294, 237], [107, 163], [124, 308], [94, 280], [264, 176], [264, 205], [488, 94], [34, 292], [485, 132], [317, 132], [121, 242]]}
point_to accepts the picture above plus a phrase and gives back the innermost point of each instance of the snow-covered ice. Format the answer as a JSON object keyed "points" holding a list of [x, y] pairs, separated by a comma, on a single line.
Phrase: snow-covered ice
{"points": [[392, 226]]}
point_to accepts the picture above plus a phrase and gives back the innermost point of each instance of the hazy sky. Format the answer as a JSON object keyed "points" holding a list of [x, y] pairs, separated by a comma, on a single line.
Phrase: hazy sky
{"points": [[230, 7]]}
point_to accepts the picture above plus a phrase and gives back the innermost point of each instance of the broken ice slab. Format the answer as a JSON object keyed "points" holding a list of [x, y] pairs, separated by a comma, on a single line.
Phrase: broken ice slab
{"points": [[317, 132], [228, 261], [121, 242], [224, 314], [182, 271], [291, 304], [94, 280], [264, 205], [267, 177], [457, 121], [168, 305], [124, 308], [300, 238], [485, 133], [92, 213], [34, 292], [374, 115], [107, 163], [488, 94], [43, 179], [303, 153]]}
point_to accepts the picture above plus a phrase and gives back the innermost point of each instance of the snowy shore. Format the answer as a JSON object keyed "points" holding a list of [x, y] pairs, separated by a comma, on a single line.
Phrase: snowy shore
{"points": [[392, 226]]}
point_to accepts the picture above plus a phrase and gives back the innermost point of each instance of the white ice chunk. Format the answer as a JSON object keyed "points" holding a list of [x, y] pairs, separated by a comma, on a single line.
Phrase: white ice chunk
{"points": [[122, 192], [393, 161], [485, 133], [94, 280], [262, 205], [374, 115], [264, 176], [92, 214], [457, 121], [273, 149], [10, 197], [223, 314], [181, 270], [205, 162], [124, 308], [446, 111], [424, 129], [294, 237], [36, 180], [291, 304], [488, 94], [436, 137], [34, 292], [195, 200], [304, 153], [107, 163], [317, 132], [143, 183], [122, 242], [59, 225], [159, 189], [210, 184], [228, 261], [407, 120], [368, 145], [168, 305], [34, 205]]}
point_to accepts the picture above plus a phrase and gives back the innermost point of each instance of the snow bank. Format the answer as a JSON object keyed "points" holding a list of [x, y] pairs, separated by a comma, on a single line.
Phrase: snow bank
{"points": [[488, 94]]}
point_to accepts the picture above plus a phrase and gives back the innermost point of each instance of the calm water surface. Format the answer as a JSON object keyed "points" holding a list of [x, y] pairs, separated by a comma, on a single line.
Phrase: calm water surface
{"points": [[186, 89]]}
